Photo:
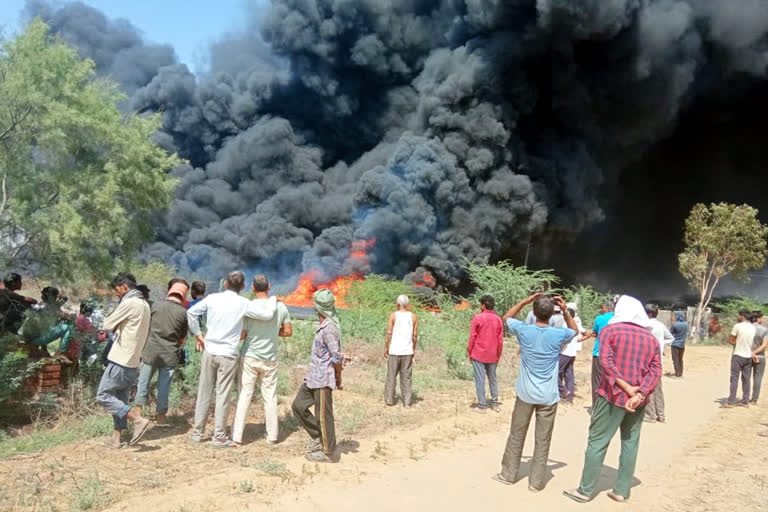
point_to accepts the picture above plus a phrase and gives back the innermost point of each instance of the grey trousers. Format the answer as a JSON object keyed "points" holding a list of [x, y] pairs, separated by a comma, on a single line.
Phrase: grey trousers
{"points": [[758, 370], [402, 365], [545, 423], [655, 408], [677, 360], [597, 375], [215, 372], [740, 367], [481, 370], [115, 392]]}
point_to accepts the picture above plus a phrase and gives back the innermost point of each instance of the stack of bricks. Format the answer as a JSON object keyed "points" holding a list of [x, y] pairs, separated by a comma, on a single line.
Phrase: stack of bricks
{"points": [[49, 378]]}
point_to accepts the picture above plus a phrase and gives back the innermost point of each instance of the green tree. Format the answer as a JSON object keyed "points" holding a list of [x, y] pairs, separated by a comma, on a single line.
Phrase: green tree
{"points": [[720, 239], [79, 180]]}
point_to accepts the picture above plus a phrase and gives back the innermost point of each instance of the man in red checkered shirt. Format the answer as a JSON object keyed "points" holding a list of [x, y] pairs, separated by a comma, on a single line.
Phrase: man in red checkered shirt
{"points": [[631, 361]]}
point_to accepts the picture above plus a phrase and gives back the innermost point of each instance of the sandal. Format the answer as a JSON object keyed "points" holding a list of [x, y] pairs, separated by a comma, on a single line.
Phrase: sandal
{"points": [[576, 496], [218, 444], [502, 480], [616, 497]]}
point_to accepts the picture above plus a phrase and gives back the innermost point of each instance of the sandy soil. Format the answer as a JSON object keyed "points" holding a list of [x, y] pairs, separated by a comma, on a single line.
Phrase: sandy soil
{"points": [[438, 456]]}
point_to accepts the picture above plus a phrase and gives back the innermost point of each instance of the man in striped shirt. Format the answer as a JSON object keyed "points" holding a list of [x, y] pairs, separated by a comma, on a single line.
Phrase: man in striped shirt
{"points": [[630, 358]]}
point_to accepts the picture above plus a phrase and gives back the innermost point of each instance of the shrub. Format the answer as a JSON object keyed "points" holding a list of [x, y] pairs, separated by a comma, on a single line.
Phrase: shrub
{"points": [[728, 312], [508, 284], [15, 368], [589, 301]]}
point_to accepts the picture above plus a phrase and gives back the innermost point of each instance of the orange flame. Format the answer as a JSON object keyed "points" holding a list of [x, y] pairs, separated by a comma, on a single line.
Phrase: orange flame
{"points": [[426, 280], [461, 306], [309, 282]]}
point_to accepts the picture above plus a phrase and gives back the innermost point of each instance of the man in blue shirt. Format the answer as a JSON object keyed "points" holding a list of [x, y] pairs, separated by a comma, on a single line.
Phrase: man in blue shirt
{"points": [[536, 386], [679, 330], [606, 313]]}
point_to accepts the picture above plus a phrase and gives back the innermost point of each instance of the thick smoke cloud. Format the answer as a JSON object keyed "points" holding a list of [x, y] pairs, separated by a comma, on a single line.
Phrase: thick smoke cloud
{"points": [[443, 129]]}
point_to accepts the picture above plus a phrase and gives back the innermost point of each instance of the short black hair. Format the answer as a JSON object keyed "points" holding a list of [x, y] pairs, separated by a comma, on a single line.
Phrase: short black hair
{"points": [[12, 281], [235, 281], [144, 289], [609, 305], [652, 310], [124, 278], [758, 314], [197, 289], [87, 307], [543, 307], [488, 301], [260, 283], [49, 293], [744, 312], [177, 280]]}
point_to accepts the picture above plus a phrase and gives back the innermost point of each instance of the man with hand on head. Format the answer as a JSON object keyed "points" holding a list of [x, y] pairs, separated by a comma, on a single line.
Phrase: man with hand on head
{"points": [[631, 368], [536, 386], [224, 312]]}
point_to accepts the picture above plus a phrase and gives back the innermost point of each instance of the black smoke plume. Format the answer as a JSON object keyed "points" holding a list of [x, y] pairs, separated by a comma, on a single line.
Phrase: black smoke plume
{"points": [[443, 129]]}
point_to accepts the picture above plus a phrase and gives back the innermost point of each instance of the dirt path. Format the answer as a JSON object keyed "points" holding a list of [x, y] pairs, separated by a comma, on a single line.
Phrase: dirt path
{"points": [[437, 456], [693, 462]]}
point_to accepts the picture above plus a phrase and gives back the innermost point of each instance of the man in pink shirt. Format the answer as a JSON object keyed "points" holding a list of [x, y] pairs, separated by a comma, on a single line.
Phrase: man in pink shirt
{"points": [[486, 338]]}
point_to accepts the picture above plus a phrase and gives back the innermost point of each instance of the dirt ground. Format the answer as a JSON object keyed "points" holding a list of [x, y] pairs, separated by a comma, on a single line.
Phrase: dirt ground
{"points": [[438, 455]]}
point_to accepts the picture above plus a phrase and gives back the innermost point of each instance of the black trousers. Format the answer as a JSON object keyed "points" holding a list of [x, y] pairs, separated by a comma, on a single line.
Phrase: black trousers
{"points": [[320, 425], [677, 360]]}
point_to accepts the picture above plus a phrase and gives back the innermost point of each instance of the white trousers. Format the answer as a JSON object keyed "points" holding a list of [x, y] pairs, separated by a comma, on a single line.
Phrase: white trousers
{"points": [[254, 370]]}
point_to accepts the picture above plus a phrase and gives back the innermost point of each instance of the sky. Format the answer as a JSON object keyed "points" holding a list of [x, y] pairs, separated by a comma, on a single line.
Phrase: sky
{"points": [[195, 24]]}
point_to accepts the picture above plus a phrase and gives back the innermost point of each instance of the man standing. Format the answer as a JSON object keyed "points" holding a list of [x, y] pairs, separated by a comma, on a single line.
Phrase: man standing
{"points": [[566, 382], [13, 305], [486, 340], [679, 330], [402, 335], [654, 411], [224, 312], [742, 336], [536, 386], [631, 369], [606, 314], [130, 323], [259, 362], [168, 324], [323, 376], [758, 355]]}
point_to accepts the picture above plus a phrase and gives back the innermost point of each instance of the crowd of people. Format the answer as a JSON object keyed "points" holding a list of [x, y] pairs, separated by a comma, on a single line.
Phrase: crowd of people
{"points": [[239, 339]]}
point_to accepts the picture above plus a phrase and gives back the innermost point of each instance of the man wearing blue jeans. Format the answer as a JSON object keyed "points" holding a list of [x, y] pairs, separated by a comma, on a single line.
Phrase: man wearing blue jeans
{"points": [[486, 339], [130, 324], [536, 386], [167, 326]]}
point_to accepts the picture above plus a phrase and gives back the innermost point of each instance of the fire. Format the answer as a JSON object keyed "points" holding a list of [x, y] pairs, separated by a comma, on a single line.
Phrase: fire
{"points": [[310, 282], [461, 306], [426, 280]]}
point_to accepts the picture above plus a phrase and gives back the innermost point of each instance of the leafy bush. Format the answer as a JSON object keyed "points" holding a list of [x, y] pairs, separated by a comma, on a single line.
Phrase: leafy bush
{"points": [[589, 301], [728, 311], [15, 368], [508, 284]]}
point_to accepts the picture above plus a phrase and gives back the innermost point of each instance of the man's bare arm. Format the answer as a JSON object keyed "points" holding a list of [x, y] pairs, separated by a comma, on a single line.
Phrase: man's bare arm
{"points": [[415, 330], [390, 328]]}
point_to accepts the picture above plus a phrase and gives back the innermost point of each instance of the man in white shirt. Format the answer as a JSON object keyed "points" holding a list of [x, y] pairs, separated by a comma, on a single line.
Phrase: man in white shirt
{"points": [[402, 335], [565, 377], [224, 319], [654, 411], [742, 336]]}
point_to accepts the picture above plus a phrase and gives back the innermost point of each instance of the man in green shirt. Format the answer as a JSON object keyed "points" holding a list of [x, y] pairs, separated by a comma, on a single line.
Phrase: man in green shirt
{"points": [[259, 361]]}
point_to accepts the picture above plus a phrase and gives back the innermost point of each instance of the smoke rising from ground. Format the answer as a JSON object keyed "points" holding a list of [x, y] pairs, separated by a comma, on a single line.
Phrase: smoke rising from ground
{"points": [[443, 129]]}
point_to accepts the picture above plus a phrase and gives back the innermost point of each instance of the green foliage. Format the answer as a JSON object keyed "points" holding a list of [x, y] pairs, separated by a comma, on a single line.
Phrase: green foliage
{"points": [[79, 179], [89, 495], [728, 310], [721, 239], [14, 368], [506, 283], [589, 301], [45, 438], [370, 302]]}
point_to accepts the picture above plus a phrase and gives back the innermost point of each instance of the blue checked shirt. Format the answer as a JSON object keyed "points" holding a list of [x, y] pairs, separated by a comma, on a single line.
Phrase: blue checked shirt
{"points": [[326, 351]]}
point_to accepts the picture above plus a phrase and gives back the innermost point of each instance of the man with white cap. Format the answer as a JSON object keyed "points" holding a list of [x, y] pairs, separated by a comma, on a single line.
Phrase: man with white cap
{"points": [[631, 368], [402, 335]]}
